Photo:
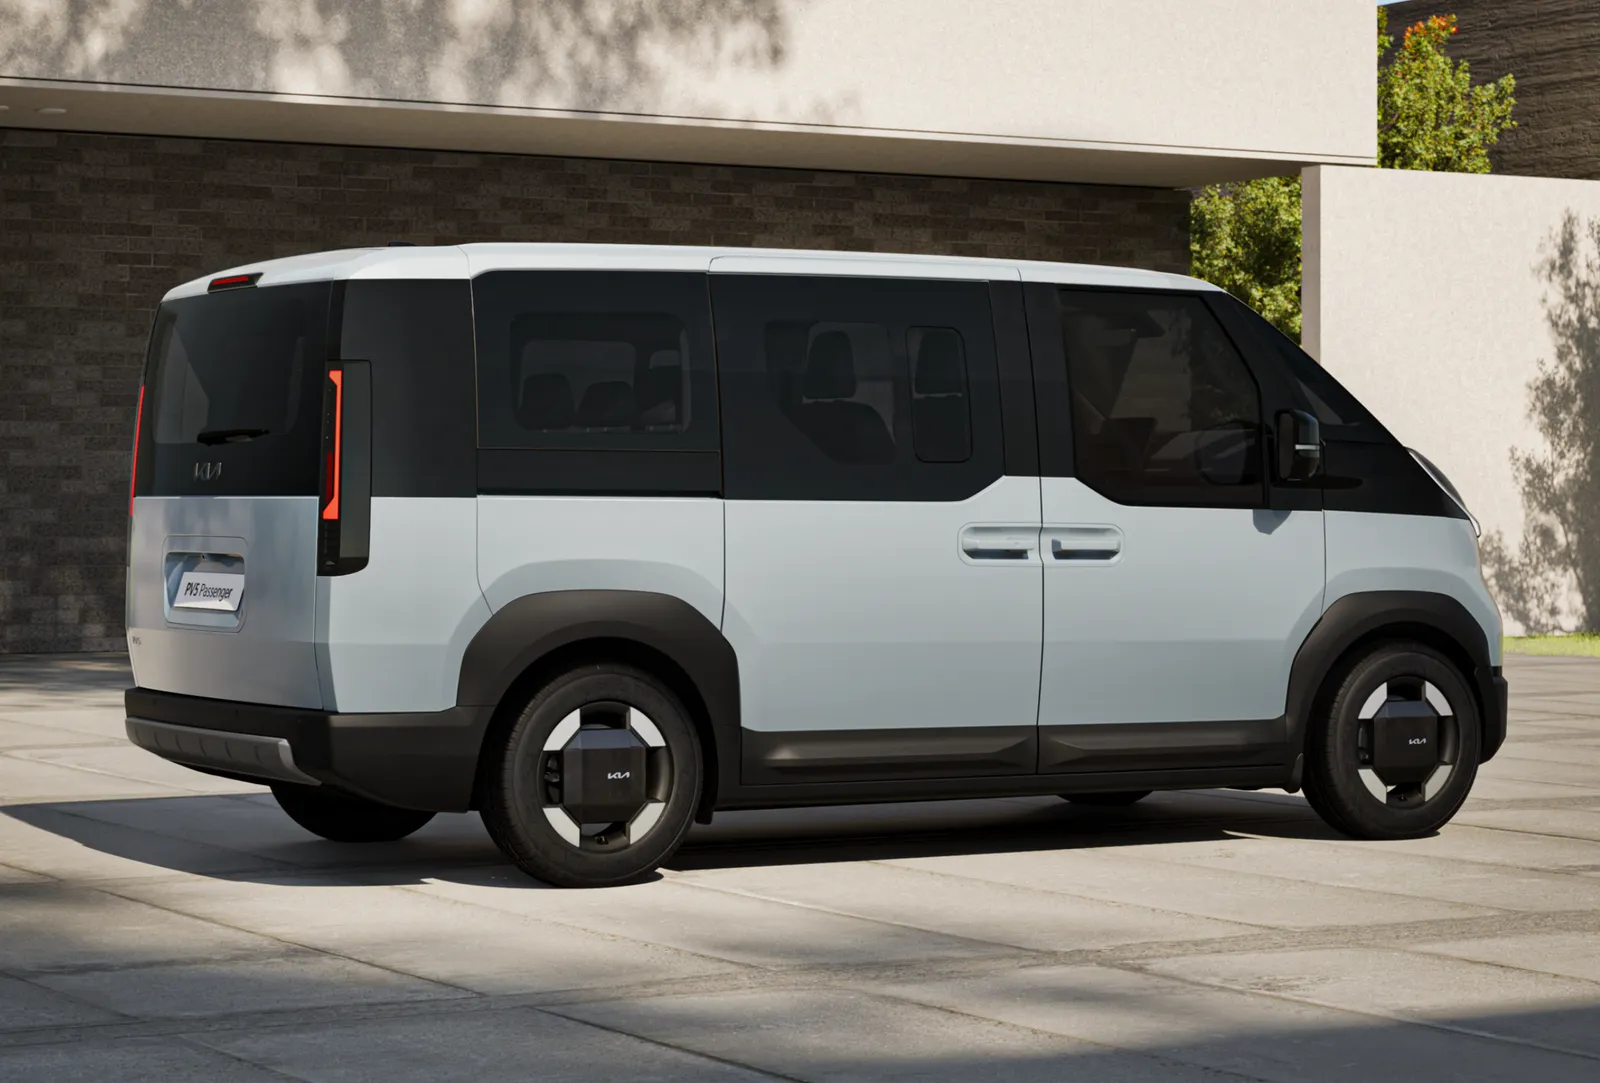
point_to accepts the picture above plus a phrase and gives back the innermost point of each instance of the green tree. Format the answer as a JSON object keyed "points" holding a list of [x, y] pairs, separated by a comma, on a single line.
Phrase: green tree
{"points": [[1430, 116], [1245, 237]]}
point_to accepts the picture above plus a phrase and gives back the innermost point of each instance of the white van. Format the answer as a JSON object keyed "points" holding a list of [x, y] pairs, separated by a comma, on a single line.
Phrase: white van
{"points": [[598, 540]]}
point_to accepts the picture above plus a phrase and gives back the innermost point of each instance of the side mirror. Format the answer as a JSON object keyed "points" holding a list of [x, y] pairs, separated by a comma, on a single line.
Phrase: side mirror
{"points": [[1299, 446]]}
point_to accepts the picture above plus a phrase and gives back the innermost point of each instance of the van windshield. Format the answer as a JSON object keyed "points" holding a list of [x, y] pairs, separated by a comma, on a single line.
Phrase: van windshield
{"points": [[235, 380]]}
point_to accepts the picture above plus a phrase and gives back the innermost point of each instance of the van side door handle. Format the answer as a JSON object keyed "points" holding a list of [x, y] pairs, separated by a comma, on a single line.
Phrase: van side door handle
{"points": [[1000, 544], [1083, 544]]}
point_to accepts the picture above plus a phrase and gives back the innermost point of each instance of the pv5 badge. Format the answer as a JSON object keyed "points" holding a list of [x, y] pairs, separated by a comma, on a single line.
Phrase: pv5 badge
{"points": [[221, 591]]}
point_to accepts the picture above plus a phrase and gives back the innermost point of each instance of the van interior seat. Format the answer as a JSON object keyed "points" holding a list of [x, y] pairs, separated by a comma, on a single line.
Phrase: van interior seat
{"points": [[851, 432], [608, 404], [545, 402], [659, 393]]}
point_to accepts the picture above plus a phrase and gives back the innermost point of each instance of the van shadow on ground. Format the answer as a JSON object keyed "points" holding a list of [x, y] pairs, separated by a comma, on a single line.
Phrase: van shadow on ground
{"points": [[246, 837]]}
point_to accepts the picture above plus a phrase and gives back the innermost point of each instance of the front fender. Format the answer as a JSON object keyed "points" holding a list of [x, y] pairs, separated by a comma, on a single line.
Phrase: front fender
{"points": [[1363, 616]]}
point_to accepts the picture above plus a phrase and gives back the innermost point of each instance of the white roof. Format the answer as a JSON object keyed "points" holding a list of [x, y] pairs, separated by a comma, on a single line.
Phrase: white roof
{"points": [[471, 260]]}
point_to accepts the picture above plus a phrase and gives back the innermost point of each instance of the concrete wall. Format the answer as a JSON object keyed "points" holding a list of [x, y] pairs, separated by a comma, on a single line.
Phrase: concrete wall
{"points": [[95, 228], [1553, 49], [1159, 92], [1434, 298]]}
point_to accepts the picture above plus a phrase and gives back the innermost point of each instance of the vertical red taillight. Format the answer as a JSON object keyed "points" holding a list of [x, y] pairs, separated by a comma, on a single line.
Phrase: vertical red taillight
{"points": [[345, 519], [133, 477], [330, 510]]}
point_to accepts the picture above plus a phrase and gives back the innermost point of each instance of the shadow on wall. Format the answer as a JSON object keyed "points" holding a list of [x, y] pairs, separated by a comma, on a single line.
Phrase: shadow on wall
{"points": [[1551, 581], [539, 53]]}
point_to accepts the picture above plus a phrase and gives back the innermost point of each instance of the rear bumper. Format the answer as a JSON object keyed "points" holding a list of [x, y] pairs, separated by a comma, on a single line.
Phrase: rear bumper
{"points": [[1497, 705], [267, 759], [421, 761]]}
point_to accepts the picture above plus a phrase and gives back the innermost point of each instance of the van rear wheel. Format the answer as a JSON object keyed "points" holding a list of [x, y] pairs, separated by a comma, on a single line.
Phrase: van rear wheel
{"points": [[596, 781], [341, 818], [1394, 751]]}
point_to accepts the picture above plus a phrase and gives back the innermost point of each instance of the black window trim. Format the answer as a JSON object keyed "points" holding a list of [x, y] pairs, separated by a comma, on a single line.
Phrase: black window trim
{"points": [[1015, 368], [1280, 391], [1262, 355]]}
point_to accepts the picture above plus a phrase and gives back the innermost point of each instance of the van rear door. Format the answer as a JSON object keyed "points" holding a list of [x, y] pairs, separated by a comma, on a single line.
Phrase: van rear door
{"points": [[228, 485]]}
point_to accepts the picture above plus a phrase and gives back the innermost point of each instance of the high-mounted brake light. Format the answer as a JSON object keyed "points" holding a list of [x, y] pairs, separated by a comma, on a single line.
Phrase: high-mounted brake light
{"points": [[331, 509], [133, 479], [233, 282]]}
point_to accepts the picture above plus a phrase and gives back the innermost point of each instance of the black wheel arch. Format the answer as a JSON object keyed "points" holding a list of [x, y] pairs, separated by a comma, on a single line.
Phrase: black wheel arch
{"points": [[530, 639], [1357, 621]]}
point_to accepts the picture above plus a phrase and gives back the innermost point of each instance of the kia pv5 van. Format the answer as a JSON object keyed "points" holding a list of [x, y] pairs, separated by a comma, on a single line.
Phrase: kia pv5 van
{"points": [[599, 540]]}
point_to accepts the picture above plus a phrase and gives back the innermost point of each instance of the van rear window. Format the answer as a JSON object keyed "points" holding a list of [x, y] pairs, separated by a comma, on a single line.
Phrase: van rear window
{"points": [[235, 380]]}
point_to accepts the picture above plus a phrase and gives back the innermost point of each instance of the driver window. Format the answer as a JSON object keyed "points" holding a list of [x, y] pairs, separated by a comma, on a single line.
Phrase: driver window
{"points": [[1164, 410]]}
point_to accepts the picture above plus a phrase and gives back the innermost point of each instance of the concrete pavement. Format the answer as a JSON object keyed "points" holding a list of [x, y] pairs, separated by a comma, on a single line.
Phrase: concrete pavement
{"points": [[156, 924]]}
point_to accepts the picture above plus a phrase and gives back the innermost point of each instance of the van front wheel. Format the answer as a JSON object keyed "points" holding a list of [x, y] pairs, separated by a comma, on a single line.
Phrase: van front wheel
{"points": [[341, 818], [1394, 749]]}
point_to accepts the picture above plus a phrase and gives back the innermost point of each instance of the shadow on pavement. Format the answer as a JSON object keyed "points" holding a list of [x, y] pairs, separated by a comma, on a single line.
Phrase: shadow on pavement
{"points": [[246, 836], [959, 828]]}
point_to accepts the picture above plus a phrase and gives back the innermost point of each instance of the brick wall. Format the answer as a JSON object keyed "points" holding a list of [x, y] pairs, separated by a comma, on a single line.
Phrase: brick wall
{"points": [[1553, 49], [94, 228]]}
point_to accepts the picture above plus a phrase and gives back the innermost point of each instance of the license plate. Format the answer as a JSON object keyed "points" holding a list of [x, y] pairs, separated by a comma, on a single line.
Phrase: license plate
{"points": [[222, 591]]}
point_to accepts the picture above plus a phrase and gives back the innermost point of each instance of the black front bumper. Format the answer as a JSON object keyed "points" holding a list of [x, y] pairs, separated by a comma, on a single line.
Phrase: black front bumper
{"points": [[421, 761], [1496, 707]]}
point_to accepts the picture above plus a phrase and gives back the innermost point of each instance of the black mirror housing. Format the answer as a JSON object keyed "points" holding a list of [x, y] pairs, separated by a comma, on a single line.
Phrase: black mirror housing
{"points": [[1299, 440]]}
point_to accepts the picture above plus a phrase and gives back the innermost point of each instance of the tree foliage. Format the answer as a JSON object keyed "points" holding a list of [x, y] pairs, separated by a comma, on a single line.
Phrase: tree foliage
{"points": [[1430, 116], [1245, 237]]}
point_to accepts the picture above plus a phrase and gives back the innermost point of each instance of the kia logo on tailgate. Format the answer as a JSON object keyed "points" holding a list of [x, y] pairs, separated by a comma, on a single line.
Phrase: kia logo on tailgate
{"points": [[207, 471]]}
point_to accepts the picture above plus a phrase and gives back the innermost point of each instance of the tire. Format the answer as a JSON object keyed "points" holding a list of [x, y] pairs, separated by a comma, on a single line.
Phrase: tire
{"points": [[1107, 800], [341, 818], [1342, 784], [534, 784]]}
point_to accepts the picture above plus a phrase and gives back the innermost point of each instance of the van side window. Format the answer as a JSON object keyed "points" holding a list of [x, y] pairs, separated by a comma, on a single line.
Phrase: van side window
{"points": [[856, 388], [1164, 410], [594, 360]]}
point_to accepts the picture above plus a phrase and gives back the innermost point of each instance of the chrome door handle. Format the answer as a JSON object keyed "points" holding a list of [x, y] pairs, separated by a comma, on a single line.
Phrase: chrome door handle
{"points": [[1084, 544], [999, 544]]}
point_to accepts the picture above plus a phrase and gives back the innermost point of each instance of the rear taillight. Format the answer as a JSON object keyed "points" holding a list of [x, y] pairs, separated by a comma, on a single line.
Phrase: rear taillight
{"points": [[330, 489], [345, 518], [133, 476]]}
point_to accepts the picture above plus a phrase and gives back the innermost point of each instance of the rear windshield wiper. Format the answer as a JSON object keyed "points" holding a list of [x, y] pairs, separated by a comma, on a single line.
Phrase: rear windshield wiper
{"points": [[229, 436]]}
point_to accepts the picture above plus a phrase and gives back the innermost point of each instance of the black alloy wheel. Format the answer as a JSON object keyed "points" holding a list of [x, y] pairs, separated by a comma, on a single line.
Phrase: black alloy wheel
{"points": [[1394, 750], [596, 781]]}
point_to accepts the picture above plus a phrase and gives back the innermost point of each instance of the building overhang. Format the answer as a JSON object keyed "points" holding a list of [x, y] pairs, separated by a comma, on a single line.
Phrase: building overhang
{"points": [[1165, 93], [507, 130]]}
